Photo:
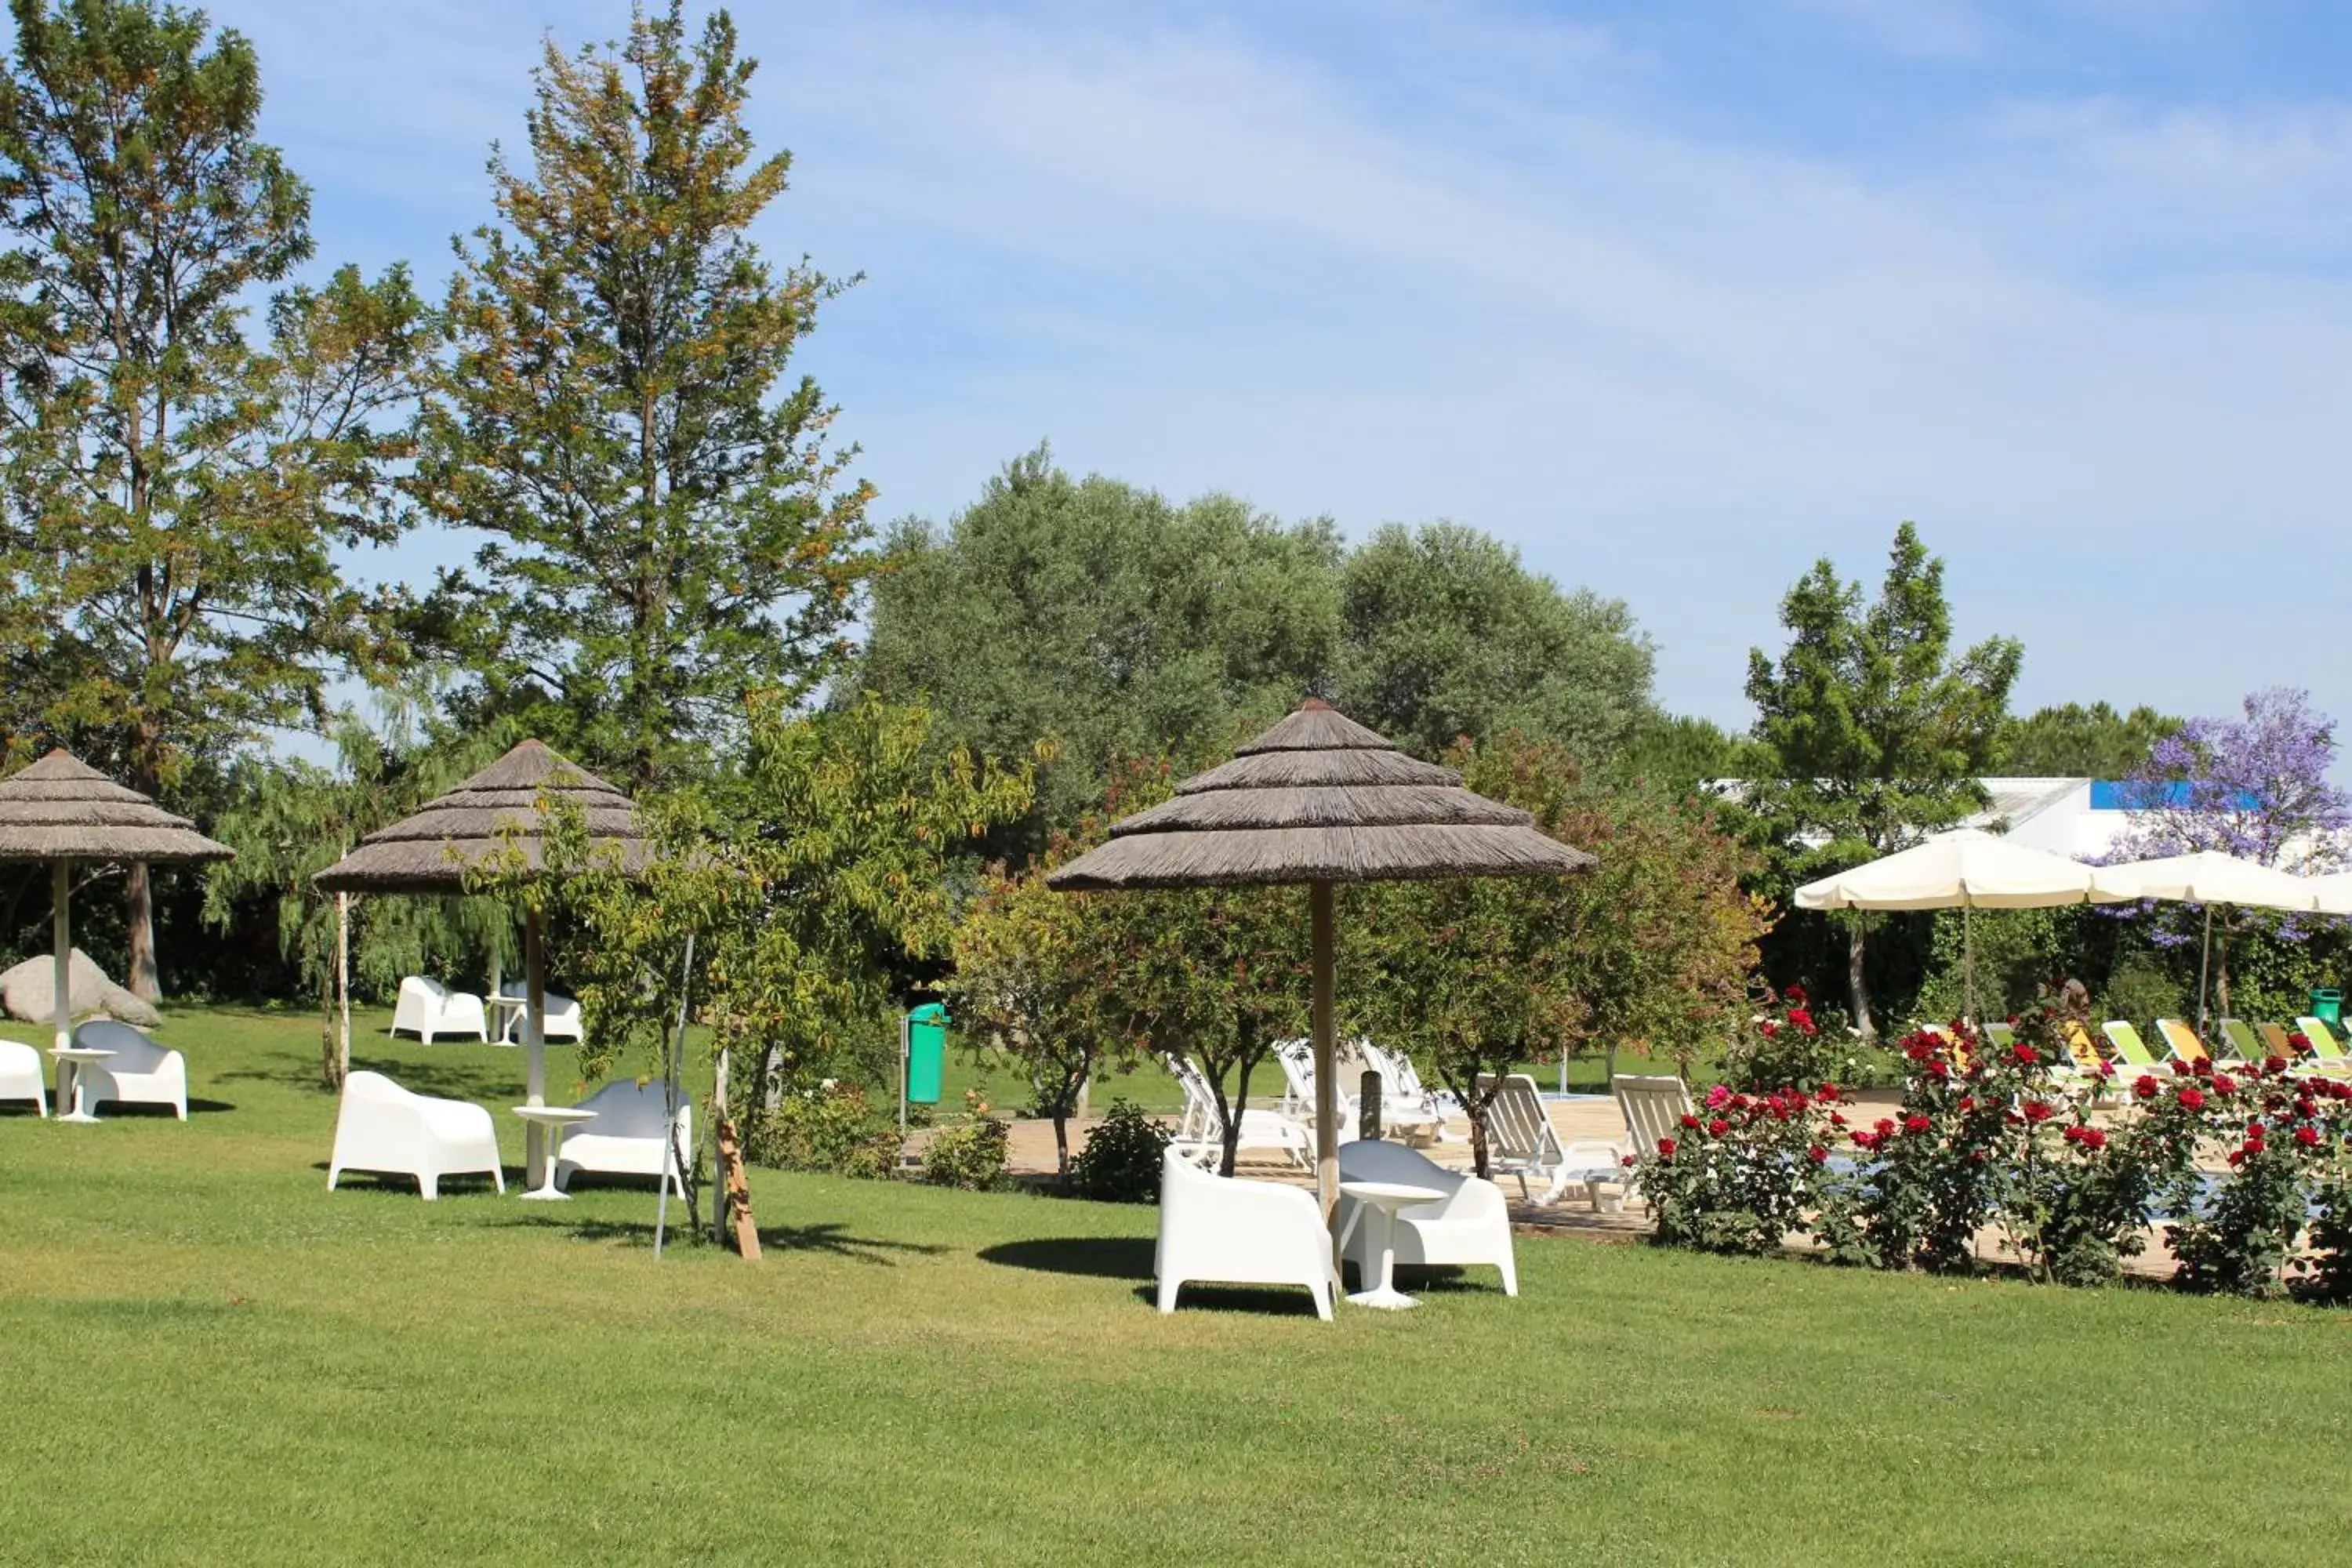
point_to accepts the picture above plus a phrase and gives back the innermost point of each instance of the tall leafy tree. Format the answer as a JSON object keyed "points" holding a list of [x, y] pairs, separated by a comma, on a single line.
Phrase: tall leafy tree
{"points": [[175, 489], [1877, 732], [669, 529], [1105, 619], [2077, 742], [1648, 951], [1447, 635]]}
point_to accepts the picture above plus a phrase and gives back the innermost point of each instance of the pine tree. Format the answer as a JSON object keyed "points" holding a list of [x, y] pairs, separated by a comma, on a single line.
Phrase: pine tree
{"points": [[669, 530], [1877, 733], [176, 491]]}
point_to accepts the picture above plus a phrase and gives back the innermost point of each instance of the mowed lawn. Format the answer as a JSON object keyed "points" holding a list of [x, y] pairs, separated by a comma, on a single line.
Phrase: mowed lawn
{"points": [[207, 1357]]}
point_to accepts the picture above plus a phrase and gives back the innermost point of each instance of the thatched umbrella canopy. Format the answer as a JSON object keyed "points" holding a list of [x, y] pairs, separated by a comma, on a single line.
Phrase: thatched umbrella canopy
{"points": [[61, 810], [499, 812], [1319, 799]]}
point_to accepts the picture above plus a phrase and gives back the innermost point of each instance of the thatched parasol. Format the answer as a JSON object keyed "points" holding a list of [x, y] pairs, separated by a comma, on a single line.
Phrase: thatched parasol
{"points": [[61, 810], [479, 826], [1319, 799]]}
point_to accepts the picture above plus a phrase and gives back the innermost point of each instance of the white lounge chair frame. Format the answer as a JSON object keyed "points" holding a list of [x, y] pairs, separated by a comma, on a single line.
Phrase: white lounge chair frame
{"points": [[1200, 1134], [1407, 1108], [629, 1137], [1654, 1106], [1522, 1143], [21, 1077], [140, 1072], [385, 1129], [428, 1009], [1471, 1228], [1222, 1230], [1296, 1059]]}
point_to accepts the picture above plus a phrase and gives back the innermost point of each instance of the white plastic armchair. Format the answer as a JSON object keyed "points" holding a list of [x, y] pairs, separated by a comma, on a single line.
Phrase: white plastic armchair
{"points": [[1472, 1226], [140, 1072], [386, 1129], [1224, 1230], [628, 1138], [428, 1009], [1200, 1134], [20, 1075], [562, 1021]]}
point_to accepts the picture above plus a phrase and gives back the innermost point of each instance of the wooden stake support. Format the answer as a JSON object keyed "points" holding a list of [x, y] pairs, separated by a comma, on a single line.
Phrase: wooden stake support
{"points": [[739, 1191]]}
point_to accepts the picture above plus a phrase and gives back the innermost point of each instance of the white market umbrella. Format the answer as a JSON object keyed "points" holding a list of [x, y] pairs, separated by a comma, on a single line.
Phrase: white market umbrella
{"points": [[2207, 877], [1967, 870], [2332, 894]]}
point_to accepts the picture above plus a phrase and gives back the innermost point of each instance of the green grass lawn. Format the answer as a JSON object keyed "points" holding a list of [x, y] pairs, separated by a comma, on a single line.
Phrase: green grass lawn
{"points": [[210, 1358]]}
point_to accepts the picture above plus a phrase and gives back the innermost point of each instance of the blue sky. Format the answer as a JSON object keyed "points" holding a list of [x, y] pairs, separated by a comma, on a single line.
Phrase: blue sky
{"points": [[1674, 296]]}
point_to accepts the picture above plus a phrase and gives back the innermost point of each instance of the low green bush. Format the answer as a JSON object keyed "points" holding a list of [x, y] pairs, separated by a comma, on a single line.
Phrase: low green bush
{"points": [[833, 1129], [969, 1154], [1120, 1163]]}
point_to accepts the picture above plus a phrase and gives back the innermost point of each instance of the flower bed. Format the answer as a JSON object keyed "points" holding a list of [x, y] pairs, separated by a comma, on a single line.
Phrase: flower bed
{"points": [[2072, 1170]]}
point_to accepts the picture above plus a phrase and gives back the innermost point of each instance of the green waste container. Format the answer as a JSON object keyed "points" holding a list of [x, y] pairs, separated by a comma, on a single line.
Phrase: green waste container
{"points": [[2327, 1006], [927, 1052]]}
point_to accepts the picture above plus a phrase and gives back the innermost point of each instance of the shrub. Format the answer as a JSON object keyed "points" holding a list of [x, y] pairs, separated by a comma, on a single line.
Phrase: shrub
{"points": [[970, 1153], [1743, 1172], [1120, 1162], [832, 1128], [1782, 1047], [2286, 1148]]}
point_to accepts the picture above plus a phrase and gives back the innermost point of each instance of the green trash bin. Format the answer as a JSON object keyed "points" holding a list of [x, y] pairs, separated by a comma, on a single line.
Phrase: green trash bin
{"points": [[2327, 1006], [927, 1052]]}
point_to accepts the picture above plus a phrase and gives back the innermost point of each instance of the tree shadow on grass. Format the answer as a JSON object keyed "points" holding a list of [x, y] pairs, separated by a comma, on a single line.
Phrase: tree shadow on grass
{"points": [[826, 1239], [1099, 1257]]}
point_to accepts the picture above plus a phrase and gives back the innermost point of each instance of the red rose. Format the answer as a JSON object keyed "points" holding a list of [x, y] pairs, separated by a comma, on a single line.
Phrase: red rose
{"points": [[2224, 1084], [1967, 1102], [2038, 1110], [1939, 1069], [1779, 1111], [1717, 1127], [1667, 1148], [1688, 1119], [1837, 1118], [1768, 1028], [1866, 1139], [2236, 1156], [2093, 1138], [2253, 1147], [1916, 1124], [2026, 1056], [1819, 1155], [1628, 1161], [2254, 1130], [2191, 1100], [1919, 1050], [2275, 1064], [2340, 1089], [2202, 1067], [1740, 1102], [1796, 995], [2301, 1042], [1827, 1093], [1884, 1124], [2144, 1087], [2306, 1105], [2307, 1136]]}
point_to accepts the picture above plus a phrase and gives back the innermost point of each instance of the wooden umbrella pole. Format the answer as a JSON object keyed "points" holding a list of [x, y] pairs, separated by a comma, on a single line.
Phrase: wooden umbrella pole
{"points": [[534, 959], [61, 938], [1327, 1088]]}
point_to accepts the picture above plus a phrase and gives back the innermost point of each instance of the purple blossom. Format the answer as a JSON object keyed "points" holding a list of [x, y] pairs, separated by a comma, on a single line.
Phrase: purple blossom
{"points": [[2256, 788]]}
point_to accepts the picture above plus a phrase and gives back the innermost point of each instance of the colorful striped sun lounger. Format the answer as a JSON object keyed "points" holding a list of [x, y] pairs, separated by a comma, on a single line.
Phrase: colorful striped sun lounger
{"points": [[2130, 1050], [2239, 1038]]}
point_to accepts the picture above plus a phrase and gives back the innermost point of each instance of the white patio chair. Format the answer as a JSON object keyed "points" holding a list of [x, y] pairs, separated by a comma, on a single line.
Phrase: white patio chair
{"points": [[428, 1009], [1200, 1133], [1406, 1105], [140, 1072], [1522, 1143], [1472, 1226], [1654, 1107], [1221, 1230], [20, 1075], [1296, 1059], [628, 1138], [562, 1021], [386, 1129]]}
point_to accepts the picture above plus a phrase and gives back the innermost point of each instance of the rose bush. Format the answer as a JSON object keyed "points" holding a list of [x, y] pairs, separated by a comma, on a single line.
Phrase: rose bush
{"points": [[1743, 1172], [1781, 1047]]}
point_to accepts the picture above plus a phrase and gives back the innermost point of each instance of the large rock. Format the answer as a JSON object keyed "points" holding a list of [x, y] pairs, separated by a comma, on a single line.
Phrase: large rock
{"points": [[28, 991]]}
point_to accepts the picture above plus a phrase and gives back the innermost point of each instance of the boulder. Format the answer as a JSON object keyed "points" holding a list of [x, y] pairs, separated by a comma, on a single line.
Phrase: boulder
{"points": [[28, 993]]}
